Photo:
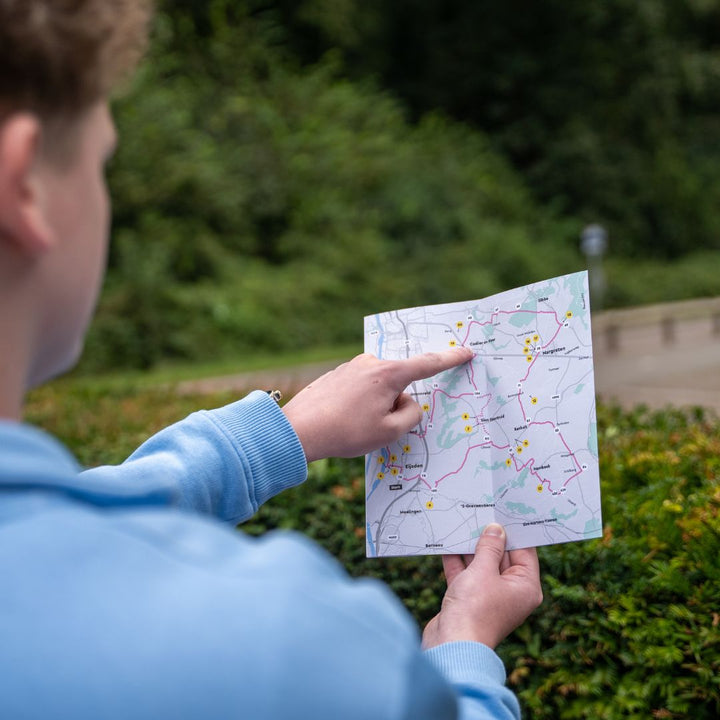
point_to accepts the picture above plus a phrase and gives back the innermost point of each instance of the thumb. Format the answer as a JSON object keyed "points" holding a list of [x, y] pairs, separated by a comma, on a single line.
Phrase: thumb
{"points": [[490, 550]]}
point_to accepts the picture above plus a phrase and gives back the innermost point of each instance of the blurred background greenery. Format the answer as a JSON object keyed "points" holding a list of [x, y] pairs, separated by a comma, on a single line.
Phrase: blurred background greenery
{"points": [[287, 166]]}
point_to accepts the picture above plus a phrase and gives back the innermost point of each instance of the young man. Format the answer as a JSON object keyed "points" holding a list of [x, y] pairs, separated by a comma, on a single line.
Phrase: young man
{"points": [[125, 590]]}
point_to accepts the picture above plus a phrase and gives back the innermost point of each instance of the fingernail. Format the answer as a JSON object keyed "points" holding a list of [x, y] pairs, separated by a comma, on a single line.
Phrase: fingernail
{"points": [[494, 529]]}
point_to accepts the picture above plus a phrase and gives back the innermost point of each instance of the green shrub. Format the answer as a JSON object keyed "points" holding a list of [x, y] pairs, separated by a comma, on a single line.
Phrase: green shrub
{"points": [[631, 623], [638, 283], [630, 626]]}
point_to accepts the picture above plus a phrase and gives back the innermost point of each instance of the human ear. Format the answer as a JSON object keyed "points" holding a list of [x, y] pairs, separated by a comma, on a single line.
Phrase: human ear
{"points": [[22, 215]]}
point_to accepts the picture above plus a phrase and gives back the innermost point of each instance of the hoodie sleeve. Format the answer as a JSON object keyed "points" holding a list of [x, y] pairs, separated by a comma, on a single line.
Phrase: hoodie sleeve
{"points": [[225, 462], [478, 677]]}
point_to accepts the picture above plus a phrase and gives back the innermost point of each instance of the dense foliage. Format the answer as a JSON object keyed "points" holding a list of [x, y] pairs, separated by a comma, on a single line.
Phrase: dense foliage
{"points": [[630, 625], [609, 109], [268, 191]]}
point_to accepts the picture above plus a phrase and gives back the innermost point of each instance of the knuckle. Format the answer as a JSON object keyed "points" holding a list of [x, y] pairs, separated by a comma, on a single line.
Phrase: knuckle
{"points": [[492, 545], [359, 362], [384, 371]]}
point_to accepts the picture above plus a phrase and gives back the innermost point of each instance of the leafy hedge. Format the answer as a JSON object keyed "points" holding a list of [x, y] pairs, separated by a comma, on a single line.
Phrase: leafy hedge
{"points": [[630, 627], [631, 624]]}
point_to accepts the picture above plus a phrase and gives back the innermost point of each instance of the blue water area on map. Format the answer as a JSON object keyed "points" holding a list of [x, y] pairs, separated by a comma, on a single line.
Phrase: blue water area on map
{"points": [[543, 291], [372, 490], [593, 526], [371, 544], [368, 461], [519, 481], [593, 439], [381, 336], [522, 318], [554, 513], [521, 508], [576, 285]]}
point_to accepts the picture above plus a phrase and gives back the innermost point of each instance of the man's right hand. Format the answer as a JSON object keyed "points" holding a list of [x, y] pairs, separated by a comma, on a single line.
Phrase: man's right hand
{"points": [[489, 594], [361, 405]]}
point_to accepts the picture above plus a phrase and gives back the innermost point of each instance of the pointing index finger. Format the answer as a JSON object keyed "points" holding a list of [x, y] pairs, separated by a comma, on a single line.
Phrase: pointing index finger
{"points": [[431, 363]]}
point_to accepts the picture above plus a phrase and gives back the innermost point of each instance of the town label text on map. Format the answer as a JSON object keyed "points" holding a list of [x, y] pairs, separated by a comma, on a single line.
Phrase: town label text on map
{"points": [[510, 437]]}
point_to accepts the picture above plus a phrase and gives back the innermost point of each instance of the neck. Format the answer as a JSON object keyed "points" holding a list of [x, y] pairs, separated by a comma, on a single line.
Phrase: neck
{"points": [[17, 342], [11, 407], [12, 383]]}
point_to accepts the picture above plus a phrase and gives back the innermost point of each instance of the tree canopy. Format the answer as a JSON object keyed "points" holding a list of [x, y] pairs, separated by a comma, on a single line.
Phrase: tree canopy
{"points": [[610, 110]]}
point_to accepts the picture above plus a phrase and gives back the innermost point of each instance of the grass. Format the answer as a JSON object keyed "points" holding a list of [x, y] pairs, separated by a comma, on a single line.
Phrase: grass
{"points": [[176, 372]]}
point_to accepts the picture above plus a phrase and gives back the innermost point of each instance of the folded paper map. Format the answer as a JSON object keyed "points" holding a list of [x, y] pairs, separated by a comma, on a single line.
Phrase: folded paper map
{"points": [[509, 437]]}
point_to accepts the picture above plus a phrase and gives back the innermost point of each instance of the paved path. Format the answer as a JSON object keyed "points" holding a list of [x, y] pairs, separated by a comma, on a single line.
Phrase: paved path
{"points": [[287, 380], [642, 361]]}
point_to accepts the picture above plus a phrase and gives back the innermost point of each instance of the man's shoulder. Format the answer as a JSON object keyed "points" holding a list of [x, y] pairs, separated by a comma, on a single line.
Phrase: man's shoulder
{"points": [[154, 597]]}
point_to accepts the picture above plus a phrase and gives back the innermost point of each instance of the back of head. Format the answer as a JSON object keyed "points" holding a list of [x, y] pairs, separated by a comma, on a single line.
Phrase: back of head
{"points": [[59, 63], [59, 57]]}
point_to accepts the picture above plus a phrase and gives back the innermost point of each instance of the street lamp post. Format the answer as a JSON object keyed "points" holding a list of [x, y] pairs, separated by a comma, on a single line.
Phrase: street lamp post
{"points": [[593, 243]]}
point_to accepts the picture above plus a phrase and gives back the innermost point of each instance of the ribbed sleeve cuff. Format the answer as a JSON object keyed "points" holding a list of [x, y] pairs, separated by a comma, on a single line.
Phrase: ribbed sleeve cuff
{"points": [[466, 662], [267, 441]]}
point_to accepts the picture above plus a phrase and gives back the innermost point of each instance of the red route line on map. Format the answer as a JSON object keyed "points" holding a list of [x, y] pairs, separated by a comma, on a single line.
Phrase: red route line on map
{"points": [[512, 312], [543, 481], [518, 467]]}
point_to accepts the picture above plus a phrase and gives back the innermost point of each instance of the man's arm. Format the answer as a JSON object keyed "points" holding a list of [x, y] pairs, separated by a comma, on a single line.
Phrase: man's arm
{"points": [[228, 462], [477, 677], [224, 462]]}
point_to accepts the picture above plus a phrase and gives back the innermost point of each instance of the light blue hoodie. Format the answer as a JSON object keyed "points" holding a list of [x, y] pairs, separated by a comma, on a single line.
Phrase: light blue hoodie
{"points": [[123, 595]]}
